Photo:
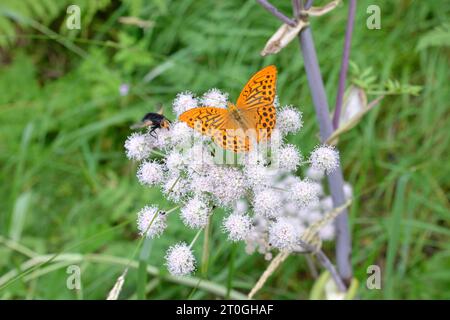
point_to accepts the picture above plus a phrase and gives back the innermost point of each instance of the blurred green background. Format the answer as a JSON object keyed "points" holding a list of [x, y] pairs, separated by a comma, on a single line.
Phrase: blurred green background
{"points": [[67, 187]]}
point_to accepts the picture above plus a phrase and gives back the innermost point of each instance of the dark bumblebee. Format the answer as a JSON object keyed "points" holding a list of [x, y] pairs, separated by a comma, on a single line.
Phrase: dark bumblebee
{"points": [[153, 121]]}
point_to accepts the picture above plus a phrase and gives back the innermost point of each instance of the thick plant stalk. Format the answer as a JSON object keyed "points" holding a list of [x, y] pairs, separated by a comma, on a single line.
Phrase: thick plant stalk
{"points": [[326, 263], [344, 63], [335, 179], [269, 7]]}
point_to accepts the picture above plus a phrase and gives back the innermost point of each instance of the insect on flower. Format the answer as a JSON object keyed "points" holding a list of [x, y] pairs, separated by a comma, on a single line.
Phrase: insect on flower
{"points": [[153, 121], [253, 116], [270, 206]]}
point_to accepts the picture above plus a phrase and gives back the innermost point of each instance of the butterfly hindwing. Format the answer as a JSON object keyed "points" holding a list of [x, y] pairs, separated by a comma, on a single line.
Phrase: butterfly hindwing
{"points": [[266, 122], [232, 139]]}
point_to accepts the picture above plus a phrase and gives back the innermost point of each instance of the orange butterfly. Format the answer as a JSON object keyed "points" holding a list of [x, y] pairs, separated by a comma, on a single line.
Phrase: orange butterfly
{"points": [[252, 118]]}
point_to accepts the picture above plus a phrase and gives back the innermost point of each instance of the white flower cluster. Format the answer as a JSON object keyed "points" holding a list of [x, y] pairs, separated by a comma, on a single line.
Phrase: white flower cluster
{"points": [[304, 204], [268, 205], [180, 260], [151, 222]]}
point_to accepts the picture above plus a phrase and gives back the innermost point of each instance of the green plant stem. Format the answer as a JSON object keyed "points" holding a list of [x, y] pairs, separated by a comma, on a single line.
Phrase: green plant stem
{"points": [[142, 270], [71, 258], [196, 237], [17, 276], [205, 254], [231, 270]]}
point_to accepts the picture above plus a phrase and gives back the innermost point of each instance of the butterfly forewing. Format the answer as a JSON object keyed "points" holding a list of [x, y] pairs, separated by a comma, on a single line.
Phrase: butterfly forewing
{"points": [[205, 119]]}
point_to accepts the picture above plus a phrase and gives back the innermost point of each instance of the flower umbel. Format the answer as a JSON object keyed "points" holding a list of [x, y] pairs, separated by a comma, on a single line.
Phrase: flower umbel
{"points": [[183, 102], [289, 120], [215, 98], [180, 260], [289, 157], [324, 158], [283, 234], [304, 193], [195, 213], [237, 226], [150, 223], [267, 203], [138, 146], [150, 173]]}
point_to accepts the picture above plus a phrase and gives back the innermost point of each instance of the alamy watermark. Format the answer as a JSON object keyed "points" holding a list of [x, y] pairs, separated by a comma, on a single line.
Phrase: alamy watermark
{"points": [[374, 19], [73, 281], [73, 21], [374, 277]]}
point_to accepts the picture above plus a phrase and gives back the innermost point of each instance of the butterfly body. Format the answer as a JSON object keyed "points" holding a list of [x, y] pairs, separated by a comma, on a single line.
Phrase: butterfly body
{"points": [[236, 115], [245, 123]]}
